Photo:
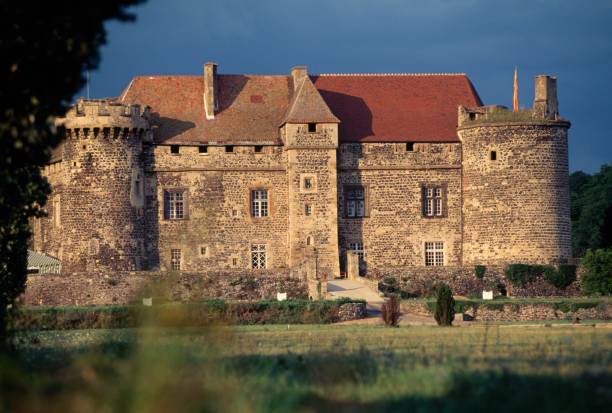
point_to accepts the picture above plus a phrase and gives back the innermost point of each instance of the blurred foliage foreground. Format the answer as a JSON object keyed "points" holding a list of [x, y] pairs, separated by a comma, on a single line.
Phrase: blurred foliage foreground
{"points": [[310, 368]]}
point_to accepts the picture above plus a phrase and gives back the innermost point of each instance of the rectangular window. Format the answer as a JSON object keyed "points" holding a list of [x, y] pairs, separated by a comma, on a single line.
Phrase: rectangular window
{"points": [[308, 210], [312, 127], [410, 146], [229, 148], [354, 199], [357, 247], [433, 205], [259, 203], [258, 148], [258, 256], [493, 155], [202, 250], [175, 260], [202, 149], [174, 205], [174, 149], [434, 254]]}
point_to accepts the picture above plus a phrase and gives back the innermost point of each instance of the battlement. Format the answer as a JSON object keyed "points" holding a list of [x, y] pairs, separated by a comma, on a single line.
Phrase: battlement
{"points": [[106, 116]]}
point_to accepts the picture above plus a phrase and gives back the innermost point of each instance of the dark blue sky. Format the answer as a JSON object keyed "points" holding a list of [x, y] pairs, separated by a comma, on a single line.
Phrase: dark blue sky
{"points": [[483, 38]]}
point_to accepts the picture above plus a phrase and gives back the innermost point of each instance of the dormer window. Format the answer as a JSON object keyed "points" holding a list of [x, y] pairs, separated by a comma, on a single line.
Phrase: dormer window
{"points": [[312, 127]]}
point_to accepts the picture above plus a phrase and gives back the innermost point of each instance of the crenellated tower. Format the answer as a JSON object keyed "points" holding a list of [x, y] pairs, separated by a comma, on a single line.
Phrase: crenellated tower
{"points": [[515, 182], [103, 195]]}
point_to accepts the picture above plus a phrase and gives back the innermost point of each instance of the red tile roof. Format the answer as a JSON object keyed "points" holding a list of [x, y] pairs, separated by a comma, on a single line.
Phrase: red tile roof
{"points": [[371, 108], [397, 107]]}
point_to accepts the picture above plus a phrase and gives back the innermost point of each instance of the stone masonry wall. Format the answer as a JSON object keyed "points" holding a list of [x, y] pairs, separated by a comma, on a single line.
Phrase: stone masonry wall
{"points": [[47, 231], [516, 208], [395, 230]]}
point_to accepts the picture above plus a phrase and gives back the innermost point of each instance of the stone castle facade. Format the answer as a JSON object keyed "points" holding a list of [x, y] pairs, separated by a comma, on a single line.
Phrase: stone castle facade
{"points": [[291, 174]]}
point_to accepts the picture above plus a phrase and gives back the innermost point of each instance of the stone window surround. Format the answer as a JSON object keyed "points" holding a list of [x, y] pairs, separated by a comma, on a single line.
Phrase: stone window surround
{"points": [[444, 187], [313, 183], [366, 200], [436, 248], [206, 252], [185, 192], [258, 248]]}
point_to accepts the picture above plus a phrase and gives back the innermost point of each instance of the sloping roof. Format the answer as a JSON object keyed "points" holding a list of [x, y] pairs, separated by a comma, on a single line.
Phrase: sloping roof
{"points": [[370, 108], [308, 106], [250, 107], [397, 107]]}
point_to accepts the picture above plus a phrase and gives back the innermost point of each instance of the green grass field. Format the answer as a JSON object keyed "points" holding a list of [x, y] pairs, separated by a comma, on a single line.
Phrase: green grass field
{"points": [[312, 368]]}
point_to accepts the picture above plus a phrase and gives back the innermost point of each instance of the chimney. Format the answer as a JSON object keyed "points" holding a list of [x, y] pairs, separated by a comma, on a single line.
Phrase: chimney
{"points": [[297, 74], [545, 103], [211, 104]]}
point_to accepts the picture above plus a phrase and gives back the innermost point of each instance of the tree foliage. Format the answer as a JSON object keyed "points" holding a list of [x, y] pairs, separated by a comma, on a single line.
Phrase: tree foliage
{"points": [[45, 49], [445, 306], [591, 210], [597, 278]]}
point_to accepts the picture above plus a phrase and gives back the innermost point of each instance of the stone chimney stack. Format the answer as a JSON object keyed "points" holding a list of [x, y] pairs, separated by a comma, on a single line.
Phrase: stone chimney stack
{"points": [[211, 104], [297, 74], [545, 103]]}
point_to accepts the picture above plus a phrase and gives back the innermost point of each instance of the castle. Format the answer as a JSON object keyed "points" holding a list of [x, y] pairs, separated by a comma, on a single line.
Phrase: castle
{"points": [[309, 175]]}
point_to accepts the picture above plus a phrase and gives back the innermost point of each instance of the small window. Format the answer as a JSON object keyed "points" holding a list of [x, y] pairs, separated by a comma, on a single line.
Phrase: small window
{"points": [[410, 147], [312, 127], [234, 262], [307, 183], [307, 210], [234, 212], [203, 149], [174, 205], [434, 254], [259, 203], [472, 116], [258, 148], [174, 149], [258, 256], [493, 155], [433, 201], [203, 250], [229, 148], [357, 248], [175, 260], [309, 241], [354, 200]]}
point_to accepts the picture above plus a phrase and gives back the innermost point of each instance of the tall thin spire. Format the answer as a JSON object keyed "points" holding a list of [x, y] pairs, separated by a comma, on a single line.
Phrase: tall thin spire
{"points": [[515, 103]]}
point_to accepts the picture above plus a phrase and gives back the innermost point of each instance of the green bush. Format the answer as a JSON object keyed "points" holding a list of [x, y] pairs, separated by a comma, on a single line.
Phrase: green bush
{"points": [[521, 274], [480, 271], [562, 276], [445, 306], [597, 278], [390, 286]]}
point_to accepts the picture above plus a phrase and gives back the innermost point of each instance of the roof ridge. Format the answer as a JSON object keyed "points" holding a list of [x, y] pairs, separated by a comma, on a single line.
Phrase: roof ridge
{"points": [[393, 74]]}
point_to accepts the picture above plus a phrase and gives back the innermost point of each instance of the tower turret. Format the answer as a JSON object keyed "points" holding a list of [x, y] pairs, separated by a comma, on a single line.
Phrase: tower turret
{"points": [[103, 194], [515, 182]]}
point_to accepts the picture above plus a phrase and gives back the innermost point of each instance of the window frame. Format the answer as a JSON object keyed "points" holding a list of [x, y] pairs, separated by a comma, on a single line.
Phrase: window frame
{"points": [[442, 198], [436, 251], [259, 205], [259, 256], [167, 209], [349, 188], [174, 253]]}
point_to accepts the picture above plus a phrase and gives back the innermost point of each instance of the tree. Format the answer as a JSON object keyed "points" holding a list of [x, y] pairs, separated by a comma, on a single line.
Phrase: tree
{"points": [[45, 46], [591, 210], [445, 306], [597, 278]]}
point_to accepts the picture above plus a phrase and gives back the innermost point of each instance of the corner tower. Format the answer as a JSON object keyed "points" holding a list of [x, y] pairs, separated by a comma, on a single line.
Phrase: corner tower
{"points": [[310, 134], [103, 197], [516, 205]]}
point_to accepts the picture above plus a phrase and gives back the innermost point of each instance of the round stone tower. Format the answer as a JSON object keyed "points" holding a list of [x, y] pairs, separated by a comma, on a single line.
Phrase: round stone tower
{"points": [[516, 206], [103, 193]]}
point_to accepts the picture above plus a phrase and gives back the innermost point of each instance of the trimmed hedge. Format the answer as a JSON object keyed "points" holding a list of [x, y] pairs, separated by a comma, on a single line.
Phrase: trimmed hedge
{"points": [[180, 314]]}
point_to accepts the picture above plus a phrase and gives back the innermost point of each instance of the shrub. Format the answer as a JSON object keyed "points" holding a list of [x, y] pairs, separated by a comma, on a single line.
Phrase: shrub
{"points": [[562, 276], [597, 278], [521, 274], [390, 286], [390, 311], [480, 271], [445, 306]]}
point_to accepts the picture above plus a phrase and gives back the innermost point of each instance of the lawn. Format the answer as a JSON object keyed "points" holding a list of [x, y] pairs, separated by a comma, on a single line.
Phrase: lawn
{"points": [[312, 368]]}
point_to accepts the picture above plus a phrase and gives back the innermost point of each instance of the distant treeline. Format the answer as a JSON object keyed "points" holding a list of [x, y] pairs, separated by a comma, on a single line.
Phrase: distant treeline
{"points": [[591, 210]]}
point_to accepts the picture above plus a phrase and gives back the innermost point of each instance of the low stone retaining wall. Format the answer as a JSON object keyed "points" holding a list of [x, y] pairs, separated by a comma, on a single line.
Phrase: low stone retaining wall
{"points": [[352, 311], [123, 288], [518, 311]]}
